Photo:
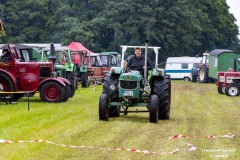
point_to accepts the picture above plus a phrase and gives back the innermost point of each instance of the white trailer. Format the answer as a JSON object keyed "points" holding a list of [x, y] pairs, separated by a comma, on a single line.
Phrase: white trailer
{"points": [[180, 67]]}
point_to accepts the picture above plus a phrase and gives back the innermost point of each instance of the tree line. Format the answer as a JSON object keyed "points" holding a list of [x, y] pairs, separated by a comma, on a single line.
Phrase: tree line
{"points": [[179, 27]]}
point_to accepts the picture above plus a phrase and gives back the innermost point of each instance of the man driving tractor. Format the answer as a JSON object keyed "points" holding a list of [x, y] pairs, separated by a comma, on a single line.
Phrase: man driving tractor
{"points": [[137, 62]]}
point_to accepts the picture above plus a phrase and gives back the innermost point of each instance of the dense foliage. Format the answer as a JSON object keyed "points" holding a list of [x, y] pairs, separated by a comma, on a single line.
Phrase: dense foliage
{"points": [[180, 27]]}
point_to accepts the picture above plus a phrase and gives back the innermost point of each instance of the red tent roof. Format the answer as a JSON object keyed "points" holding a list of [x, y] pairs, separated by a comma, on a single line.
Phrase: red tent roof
{"points": [[76, 46]]}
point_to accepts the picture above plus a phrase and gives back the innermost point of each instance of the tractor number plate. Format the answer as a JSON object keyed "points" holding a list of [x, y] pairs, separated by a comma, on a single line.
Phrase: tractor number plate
{"points": [[128, 93]]}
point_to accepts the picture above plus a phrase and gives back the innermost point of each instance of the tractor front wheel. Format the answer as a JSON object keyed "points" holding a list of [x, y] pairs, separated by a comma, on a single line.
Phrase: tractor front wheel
{"points": [[52, 92], [153, 108], [103, 108], [221, 89], [232, 90]]}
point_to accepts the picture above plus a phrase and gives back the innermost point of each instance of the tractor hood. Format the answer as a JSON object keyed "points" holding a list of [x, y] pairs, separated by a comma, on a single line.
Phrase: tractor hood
{"points": [[131, 76]]}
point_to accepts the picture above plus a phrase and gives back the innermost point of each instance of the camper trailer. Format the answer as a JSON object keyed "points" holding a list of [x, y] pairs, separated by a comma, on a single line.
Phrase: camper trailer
{"points": [[180, 67]]}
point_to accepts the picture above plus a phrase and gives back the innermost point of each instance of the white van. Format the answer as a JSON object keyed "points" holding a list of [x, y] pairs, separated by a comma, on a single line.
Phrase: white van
{"points": [[180, 67]]}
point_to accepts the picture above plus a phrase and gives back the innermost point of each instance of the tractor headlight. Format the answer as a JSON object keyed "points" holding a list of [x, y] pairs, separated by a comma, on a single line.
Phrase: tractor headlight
{"points": [[112, 87], [128, 77]]}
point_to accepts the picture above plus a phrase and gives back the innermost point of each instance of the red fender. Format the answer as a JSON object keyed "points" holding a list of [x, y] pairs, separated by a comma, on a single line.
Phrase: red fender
{"points": [[52, 79], [64, 80]]}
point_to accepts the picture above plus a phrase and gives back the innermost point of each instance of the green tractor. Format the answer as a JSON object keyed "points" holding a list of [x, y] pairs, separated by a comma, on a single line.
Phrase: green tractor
{"points": [[125, 90], [63, 66]]}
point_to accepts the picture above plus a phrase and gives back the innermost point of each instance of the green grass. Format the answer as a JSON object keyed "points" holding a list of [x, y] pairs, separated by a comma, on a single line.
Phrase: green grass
{"points": [[197, 110]]}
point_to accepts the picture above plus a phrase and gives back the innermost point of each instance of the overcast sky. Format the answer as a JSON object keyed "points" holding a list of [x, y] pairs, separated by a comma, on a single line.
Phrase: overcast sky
{"points": [[235, 10]]}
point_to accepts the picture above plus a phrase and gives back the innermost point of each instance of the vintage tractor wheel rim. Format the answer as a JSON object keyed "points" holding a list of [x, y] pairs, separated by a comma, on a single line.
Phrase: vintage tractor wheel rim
{"points": [[233, 91], [52, 93], [201, 74]]}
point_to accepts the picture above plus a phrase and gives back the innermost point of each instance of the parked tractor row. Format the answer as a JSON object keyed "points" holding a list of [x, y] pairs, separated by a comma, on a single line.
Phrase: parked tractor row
{"points": [[18, 73]]}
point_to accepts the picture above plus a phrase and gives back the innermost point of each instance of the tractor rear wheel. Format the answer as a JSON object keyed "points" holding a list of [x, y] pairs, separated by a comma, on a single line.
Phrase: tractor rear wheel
{"points": [[67, 92], [221, 89], [203, 75], [194, 74], [232, 90], [162, 88], [153, 108], [103, 108], [52, 92], [7, 85], [110, 86], [71, 78], [84, 79]]}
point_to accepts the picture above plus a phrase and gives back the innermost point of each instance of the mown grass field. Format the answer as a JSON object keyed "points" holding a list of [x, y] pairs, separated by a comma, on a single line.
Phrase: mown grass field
{"points": [[196, 110]]}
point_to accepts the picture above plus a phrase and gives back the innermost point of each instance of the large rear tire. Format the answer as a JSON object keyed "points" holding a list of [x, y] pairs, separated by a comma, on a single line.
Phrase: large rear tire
{"points": [[84, 80], [7, 85], [110, 86], [194, 78], [153, 108], [232, 90], [103, 109], [194, 74], [71, 77], [52, 92], [67, 92], [162, 88], [203, 75]]}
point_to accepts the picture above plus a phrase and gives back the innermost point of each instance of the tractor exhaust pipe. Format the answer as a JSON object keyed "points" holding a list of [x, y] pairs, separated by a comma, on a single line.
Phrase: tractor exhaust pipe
{"points": [[52, 56], [145, 68]]}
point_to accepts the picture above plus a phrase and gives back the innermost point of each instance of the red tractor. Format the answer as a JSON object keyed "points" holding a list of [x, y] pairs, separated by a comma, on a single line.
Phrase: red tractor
{"points": [[229, 82], [19, 75]]}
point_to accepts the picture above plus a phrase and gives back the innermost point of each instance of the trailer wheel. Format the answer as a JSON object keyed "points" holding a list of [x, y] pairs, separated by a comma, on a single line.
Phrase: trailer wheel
{"points": [[162, 88], [232, 90], [153, 108], [221, 89], [7, 85], [84, 80], [110, 86], [52, 92], [103, 109], [186, 79], [71, 78]]}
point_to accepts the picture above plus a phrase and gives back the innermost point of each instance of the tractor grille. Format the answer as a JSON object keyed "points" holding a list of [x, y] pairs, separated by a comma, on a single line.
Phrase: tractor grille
{"points": [[128, 84], [45, 71]]}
